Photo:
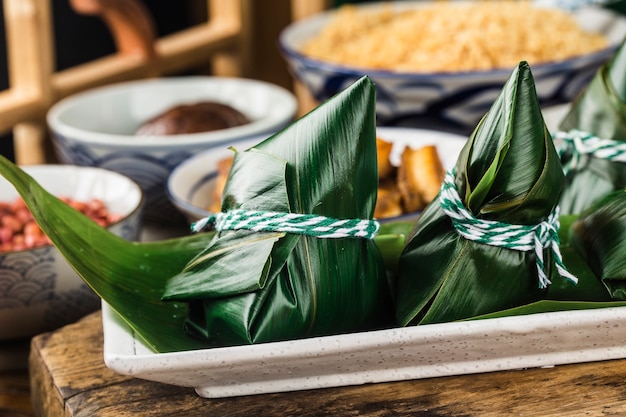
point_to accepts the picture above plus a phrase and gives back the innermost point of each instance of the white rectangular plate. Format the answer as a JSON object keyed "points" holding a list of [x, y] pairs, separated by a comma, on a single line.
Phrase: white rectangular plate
{"points": [[433, 350], [380, 356]]}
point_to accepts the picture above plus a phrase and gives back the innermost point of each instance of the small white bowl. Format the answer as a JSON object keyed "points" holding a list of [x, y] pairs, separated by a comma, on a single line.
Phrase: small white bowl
{"points": [[451, 101], [96, 127], [39, 290], [190, 185]]}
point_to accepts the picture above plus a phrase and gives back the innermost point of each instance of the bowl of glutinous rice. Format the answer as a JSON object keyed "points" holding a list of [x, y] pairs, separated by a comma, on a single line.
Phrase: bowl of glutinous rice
{"points": [[441, 64]]}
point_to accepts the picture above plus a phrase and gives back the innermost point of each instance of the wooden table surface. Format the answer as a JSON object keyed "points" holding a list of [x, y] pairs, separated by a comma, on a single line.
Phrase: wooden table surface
{"points": [[68, 378], [15, 394]]}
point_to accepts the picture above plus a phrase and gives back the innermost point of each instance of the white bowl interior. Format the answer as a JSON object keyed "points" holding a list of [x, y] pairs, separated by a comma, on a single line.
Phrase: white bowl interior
{"points": [[112, 114], [121, 195]]}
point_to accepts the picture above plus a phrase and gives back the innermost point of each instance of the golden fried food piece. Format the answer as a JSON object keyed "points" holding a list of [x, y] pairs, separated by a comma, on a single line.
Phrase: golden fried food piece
{"points": [[223, 169], [419, 176], [385, 167], [389, 201]]}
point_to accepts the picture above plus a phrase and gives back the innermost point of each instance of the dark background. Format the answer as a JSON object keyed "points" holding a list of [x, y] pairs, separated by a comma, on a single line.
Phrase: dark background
{"points": [[80, 38]]}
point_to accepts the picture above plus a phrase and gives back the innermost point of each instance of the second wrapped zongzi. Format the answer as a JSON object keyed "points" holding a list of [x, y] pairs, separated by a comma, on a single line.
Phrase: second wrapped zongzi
{"points": [[599, 235], [489, 241], [592, 138]]}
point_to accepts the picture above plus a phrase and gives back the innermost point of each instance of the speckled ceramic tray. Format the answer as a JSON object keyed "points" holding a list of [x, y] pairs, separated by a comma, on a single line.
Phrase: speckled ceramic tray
{"points": [[388, 355]]}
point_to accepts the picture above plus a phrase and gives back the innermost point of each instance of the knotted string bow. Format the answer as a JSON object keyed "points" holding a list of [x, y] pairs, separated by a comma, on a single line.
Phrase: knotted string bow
{"points": [[511, 236]]}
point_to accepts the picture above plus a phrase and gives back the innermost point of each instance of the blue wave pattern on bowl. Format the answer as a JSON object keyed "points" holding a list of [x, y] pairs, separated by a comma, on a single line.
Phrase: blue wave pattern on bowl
{"points": [[445, 101], [37, 278], [29, 279], [149, 171]]}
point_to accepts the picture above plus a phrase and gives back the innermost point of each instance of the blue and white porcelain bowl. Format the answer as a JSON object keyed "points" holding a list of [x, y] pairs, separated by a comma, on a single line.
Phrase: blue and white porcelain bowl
{"points": [[39, 290], [453, 101], [96, 127]]}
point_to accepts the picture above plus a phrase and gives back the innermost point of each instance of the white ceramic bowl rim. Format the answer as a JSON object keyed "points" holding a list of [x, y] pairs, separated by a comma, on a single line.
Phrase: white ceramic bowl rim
{"points": [[45, 168], [185, 205], [265, 125], [176, 196], [196, 162], [289, 49]]}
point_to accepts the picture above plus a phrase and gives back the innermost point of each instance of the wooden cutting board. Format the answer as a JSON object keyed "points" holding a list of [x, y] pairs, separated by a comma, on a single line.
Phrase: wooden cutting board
{"points": [[69, 378]]}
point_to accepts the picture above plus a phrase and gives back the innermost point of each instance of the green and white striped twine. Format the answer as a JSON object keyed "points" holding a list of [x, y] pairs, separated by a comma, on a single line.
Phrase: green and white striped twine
{"points": [[578, 143], [303, 224], [516, 237]]}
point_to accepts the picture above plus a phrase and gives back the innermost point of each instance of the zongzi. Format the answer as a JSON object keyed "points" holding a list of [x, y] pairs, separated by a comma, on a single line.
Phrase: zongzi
{"points": [[489, 241], [266, 284], [592, 138]]}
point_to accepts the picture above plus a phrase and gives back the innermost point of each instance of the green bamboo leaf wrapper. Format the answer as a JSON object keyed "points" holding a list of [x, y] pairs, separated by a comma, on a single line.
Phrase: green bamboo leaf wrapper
{"points": [[129, 276], [508, 171], [599, 235], [295, 286], [550, 306], [600, 109], [391, 240]]}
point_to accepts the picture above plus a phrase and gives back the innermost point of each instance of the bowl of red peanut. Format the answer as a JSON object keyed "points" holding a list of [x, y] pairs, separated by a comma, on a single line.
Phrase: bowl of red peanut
{"points": [[39, 290]]}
